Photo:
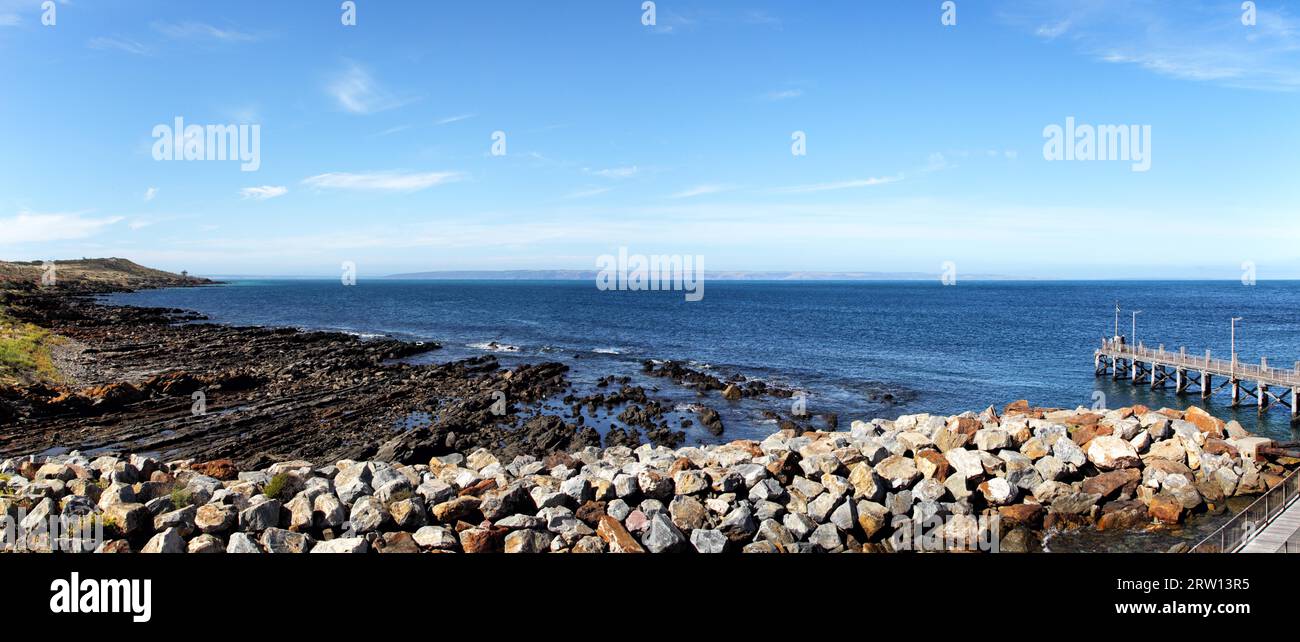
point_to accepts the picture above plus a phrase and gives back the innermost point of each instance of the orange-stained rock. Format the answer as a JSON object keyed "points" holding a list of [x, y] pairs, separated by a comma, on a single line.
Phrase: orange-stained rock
{"points": [[114, 394], [1120, 515], [749, 445], [1166, 508], [933, 465], [1087, 432], [1016, 407], [965, 425], [478, 488], [682, 463], [617, 537], [1109, 484], [222, 469], [1022, 514], [1204, 421], [483, 540], [1216, 446], [1082, 419]]}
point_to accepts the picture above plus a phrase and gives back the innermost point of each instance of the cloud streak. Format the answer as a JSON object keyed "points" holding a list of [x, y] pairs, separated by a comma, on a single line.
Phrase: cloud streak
{"points": [[35, 227], [357, 92], [1174, 39], [382, 181], [263, 193], [838, 185], [702, 190], [454, 119], [200, 31], [105, 43], [616, 172]]}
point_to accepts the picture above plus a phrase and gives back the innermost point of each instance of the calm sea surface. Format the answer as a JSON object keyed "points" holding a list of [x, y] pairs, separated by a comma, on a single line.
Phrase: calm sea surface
{"points": [[943, 349]]}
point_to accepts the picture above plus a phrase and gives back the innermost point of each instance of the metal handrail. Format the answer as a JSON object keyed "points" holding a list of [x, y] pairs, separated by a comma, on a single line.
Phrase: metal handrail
{"points": [[1245, 371], [1244, 526]]}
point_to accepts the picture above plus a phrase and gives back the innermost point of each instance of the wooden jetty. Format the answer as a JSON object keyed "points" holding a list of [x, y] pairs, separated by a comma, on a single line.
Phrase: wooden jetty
{"points": [[1186, 373]]}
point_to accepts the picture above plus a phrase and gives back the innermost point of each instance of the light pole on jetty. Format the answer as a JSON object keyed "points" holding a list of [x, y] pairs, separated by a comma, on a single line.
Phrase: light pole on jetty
{"points": [[1271, 386]]}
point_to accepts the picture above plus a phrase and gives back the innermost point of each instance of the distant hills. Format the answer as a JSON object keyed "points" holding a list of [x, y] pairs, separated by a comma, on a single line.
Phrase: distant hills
{"points": [[111, 273]]}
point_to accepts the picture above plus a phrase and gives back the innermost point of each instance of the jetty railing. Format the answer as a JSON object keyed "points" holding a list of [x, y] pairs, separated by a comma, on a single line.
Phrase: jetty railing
{"points": [[1241, 370], [1244, 526]]}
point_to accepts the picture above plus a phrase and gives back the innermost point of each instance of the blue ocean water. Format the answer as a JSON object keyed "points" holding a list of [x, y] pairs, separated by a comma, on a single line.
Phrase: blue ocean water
{"points": [[956, 348]]}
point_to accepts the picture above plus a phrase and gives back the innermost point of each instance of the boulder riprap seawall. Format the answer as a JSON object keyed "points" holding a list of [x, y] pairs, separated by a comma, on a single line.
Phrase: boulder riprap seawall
{"points": [[975, 481]]}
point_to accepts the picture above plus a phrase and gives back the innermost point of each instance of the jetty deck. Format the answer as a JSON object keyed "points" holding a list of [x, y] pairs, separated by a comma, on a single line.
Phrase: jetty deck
{"points": [[1186, 373]]}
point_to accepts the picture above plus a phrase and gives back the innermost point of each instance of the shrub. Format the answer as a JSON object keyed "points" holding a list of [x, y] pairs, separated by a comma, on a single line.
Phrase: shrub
{"points": [[276, 487]]}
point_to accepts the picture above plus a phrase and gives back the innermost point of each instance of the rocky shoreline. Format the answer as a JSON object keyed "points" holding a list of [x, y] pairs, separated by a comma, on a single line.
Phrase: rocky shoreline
{"points": [[256, 439], [985, 481], [152, 380]]}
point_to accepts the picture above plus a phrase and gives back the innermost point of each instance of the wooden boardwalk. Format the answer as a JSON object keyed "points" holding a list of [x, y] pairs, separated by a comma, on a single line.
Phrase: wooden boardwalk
{"points": [[1159, 368], [1274, 537]]}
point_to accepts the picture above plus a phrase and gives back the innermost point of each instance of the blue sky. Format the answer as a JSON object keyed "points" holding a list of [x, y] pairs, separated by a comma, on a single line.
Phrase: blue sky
{"points": [[924, 141]]}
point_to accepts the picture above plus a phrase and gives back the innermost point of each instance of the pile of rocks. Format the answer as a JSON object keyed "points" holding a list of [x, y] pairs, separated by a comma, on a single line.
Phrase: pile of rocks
{"points": [[917, 482]]}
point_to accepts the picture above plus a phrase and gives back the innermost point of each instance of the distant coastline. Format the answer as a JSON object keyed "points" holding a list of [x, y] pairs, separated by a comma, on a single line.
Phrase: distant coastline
{"points": [[587, 275]]}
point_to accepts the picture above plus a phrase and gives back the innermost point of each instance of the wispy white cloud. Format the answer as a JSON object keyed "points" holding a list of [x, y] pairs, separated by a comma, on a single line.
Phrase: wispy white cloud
{"points": [[760, 17], [1053, 29], [105, 43], [200, 31], [702, 190], [36, 227], [383, 181], [359, 93], [590, 192], [785, 94], [454, 119], [150, 193], [615, 172], [264, 192], [1188, 41], [392, 130], [838, 185]]}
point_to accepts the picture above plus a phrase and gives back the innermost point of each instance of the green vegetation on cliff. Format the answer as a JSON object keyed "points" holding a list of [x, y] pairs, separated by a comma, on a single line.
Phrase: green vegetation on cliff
{"points": [[25, 352]]}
